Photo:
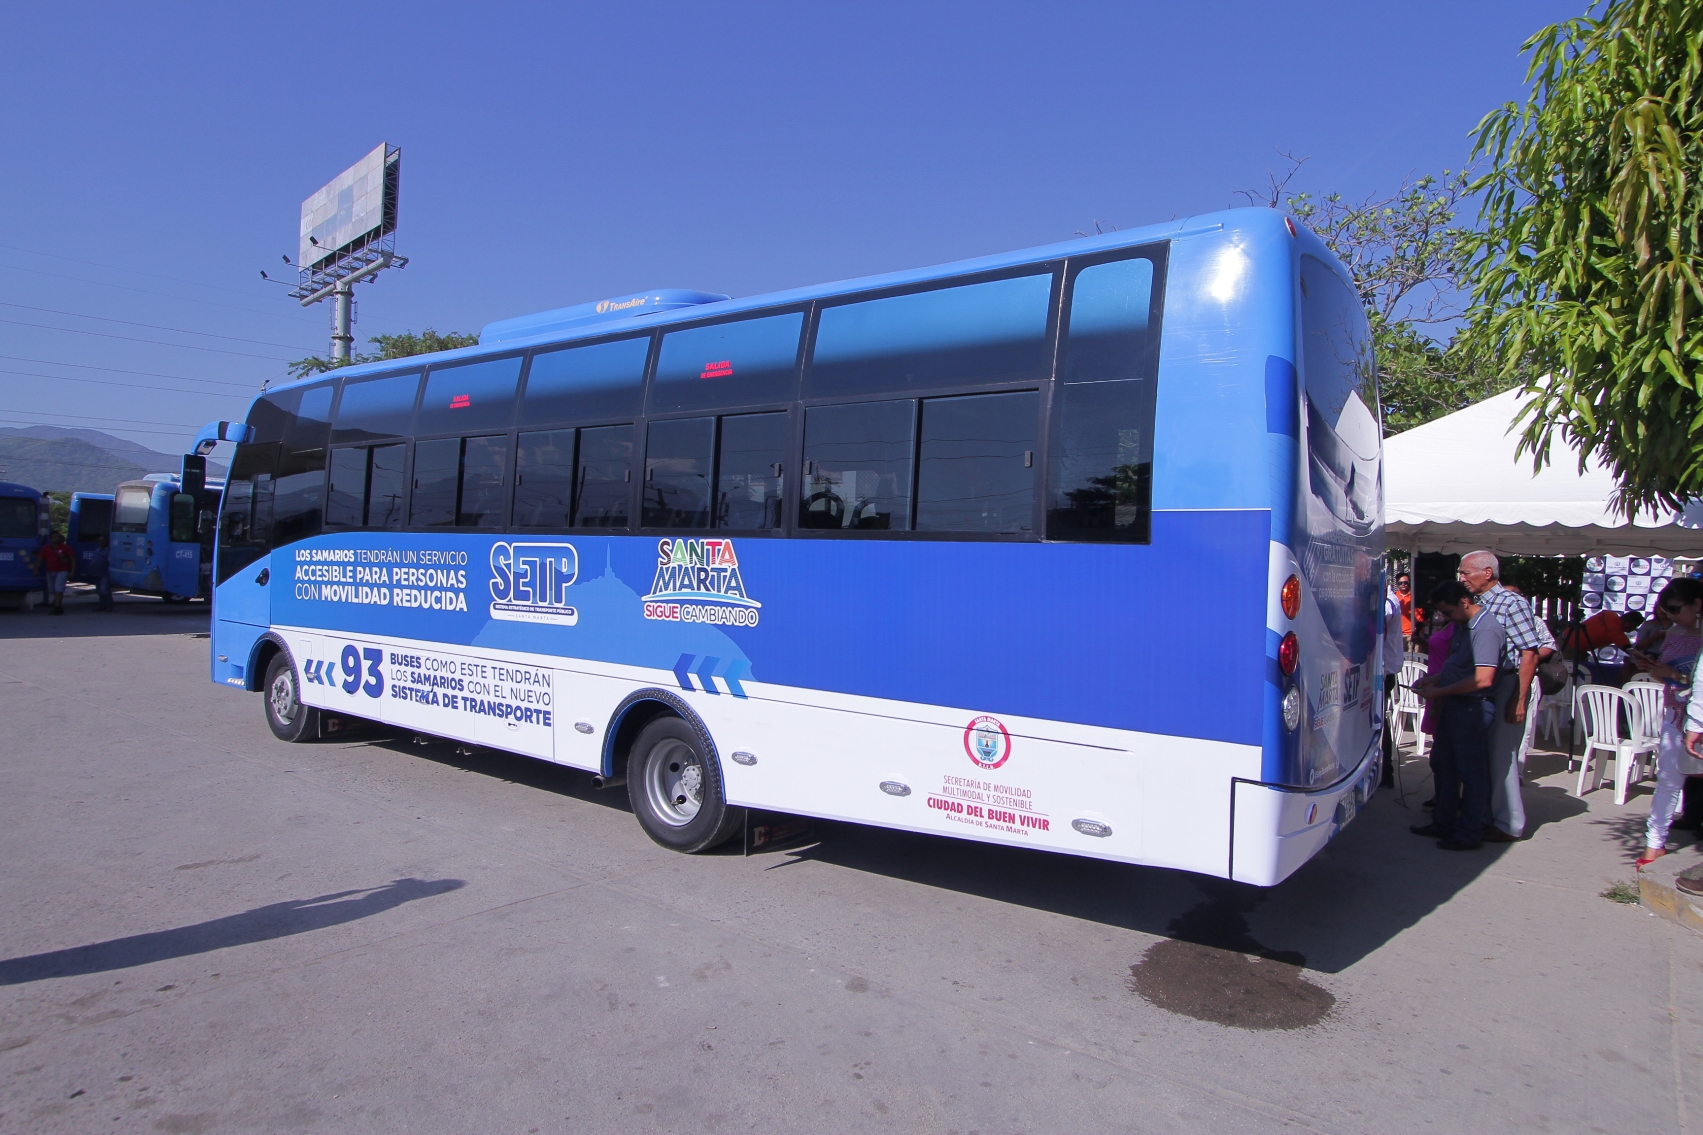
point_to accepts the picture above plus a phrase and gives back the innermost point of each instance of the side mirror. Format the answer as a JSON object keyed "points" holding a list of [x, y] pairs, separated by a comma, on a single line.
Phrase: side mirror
{"points": [[204, 523]]}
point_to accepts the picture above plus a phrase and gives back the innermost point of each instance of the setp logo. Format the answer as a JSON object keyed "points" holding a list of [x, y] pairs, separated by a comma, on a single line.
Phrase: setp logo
{"points": [[529, 583]]}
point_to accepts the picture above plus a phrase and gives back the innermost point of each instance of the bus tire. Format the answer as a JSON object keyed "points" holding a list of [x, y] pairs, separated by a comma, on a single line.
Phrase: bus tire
{"points": [[676, 790], [289, 718]]}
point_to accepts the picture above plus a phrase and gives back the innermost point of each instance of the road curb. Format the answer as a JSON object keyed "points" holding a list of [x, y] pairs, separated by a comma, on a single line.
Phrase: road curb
{"points": [[1657, 893]]}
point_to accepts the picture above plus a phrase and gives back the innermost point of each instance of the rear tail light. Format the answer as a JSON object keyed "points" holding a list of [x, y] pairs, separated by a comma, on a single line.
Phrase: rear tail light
{"points": [[1291, 597], [1288, 654]]}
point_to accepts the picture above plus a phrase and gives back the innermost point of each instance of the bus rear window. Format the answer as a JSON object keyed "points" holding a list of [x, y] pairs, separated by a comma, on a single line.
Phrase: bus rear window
{"points": [[130, 509], [17, 518]]}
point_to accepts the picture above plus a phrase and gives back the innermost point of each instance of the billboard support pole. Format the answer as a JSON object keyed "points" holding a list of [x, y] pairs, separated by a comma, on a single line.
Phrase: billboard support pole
{"points": [[342, 321]]}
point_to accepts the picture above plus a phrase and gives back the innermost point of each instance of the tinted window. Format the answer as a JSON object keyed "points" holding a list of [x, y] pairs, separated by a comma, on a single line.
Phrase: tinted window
{"points": [[678, 455], [94, 518], [299, 488], [604, 487], [975, 465], [749, 471], [346, 500], [182, 519], [469, 397], [269, 416], [245, 518], [728, 364], [604, 380], [385, 486], [484, 468], [437, 474], [544, 479], [374, 408], [857, 466], [17, 518], [1100, 481], [975, 333]]}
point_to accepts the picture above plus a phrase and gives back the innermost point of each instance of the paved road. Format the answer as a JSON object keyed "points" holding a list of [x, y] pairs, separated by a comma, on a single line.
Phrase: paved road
{"points": [[207, 930]]}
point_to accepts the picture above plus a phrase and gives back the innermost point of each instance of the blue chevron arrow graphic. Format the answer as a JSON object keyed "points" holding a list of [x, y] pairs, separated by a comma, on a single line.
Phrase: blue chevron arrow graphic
{"points": [[735, 669], [683, 672], [706, 672]]}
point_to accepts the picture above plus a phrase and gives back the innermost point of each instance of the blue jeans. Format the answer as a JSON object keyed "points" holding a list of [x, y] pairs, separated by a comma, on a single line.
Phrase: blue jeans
{"points": [[103, 592], [1460, 766]]}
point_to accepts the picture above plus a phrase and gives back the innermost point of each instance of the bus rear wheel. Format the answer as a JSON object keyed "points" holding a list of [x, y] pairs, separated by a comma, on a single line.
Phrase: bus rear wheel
{"points": [[676, 791], [289, 718]]}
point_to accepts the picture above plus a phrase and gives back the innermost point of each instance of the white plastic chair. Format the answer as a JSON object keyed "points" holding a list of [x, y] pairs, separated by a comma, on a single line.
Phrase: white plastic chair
{"points": [[1599, 709], [1554, 711], [1406, 708], [1647, 744]]}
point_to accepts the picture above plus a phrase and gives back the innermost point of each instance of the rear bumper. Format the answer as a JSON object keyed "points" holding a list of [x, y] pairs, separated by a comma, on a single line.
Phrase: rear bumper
{"points": [[1274, 830]]}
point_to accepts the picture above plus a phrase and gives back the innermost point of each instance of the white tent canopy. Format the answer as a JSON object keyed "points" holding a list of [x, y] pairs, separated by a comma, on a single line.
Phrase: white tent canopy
{"points": [[1455, 485]]}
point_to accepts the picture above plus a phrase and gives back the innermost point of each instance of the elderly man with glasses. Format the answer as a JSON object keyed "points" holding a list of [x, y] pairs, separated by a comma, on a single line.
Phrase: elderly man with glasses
{"points": [[1480, 571]]}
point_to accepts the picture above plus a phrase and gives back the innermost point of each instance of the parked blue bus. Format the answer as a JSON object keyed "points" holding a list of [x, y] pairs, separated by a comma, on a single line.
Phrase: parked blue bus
{"points": [[90, 518], [162, 538], [1077, 548], [23, 530]]}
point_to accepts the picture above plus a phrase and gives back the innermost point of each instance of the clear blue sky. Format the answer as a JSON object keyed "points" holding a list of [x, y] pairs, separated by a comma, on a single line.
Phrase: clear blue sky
{"points": [[555, 153]]}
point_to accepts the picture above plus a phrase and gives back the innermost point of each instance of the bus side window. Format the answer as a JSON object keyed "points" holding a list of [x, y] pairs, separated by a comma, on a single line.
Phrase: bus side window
{"points": [[737, 363], [678, 458], [385, 486], [975, 468], [965, 335], [544, 479], [604, 380], [437, 475], [346, 498], [1099, 484], [603, 481], [857, 466], [749, 472]]}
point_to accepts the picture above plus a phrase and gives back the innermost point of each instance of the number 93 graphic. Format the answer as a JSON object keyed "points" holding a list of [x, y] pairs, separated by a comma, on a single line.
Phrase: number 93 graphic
{"points": [[352, 657]]}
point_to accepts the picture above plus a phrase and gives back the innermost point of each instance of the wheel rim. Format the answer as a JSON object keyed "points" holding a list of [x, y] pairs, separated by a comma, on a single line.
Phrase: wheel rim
{"points": [[674, 783], [283, 697]]}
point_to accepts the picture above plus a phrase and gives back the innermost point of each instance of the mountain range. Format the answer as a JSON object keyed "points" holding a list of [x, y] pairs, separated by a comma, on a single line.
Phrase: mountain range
{"points": [[54, 458]]}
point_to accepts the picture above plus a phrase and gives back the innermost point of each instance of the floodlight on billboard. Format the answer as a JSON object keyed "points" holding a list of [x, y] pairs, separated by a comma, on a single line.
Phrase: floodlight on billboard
{"points": [[357, 208]]}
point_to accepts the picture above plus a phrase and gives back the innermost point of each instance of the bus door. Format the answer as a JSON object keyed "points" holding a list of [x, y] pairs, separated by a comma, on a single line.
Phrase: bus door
{"points": [[91, 518]]}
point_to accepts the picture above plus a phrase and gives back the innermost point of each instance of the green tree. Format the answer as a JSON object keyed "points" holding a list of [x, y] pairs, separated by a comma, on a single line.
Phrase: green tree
{"points": [[1589, 270], [389, 347]]}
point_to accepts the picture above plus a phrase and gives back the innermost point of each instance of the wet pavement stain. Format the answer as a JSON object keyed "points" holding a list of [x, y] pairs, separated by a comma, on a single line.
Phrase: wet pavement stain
{"points": [[1214, 970]]}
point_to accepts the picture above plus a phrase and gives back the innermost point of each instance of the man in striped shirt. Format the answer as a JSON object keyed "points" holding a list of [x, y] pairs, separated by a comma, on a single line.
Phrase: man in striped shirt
{"points": [[1481, 574]]}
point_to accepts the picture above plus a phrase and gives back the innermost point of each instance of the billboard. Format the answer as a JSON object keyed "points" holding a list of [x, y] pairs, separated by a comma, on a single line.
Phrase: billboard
{"points": [[355, 209]]}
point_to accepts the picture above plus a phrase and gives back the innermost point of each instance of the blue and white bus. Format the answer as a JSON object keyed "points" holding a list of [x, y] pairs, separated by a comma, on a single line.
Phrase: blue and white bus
{"points": [[1076, 548], [161, 540], [23, 530]]}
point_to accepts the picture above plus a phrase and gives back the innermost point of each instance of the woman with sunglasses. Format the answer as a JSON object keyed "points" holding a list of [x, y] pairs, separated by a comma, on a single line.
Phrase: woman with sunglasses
{"points": [[1682, 602]]}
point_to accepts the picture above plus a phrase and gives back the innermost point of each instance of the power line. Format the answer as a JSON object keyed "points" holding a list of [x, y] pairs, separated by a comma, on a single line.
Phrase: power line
{"points": [[133, 271], [155, 326], [151, 433], [128, 385], [293, 316], [120, 370], [90, 418], [154, 342]]}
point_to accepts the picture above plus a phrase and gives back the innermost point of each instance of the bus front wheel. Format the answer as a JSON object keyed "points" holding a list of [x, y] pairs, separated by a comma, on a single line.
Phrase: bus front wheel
{"points": [[676, 792], [289, 718]]}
